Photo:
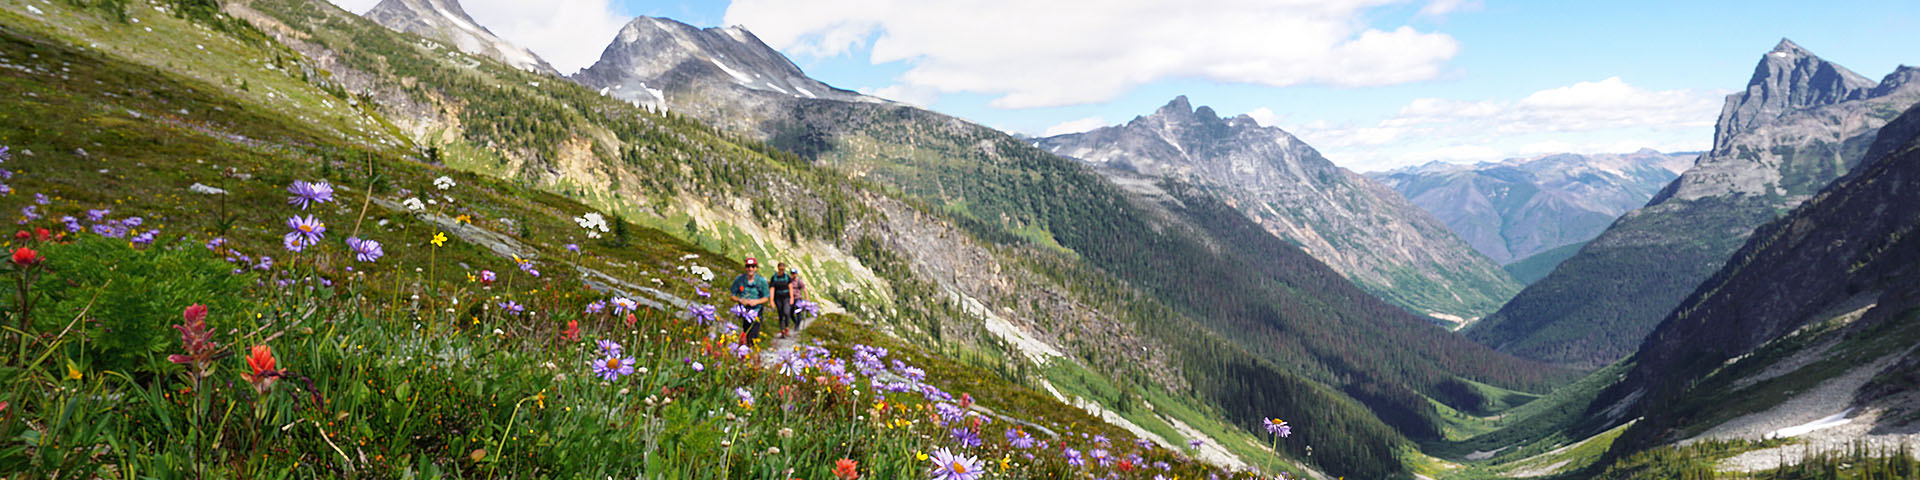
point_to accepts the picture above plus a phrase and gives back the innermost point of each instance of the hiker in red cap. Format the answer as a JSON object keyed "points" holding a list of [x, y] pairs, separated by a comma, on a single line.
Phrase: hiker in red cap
{"points": [[750, 291]]}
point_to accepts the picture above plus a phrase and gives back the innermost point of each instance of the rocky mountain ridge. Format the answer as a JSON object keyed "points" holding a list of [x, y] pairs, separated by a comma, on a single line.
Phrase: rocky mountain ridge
{"points": [[1516, 208], [446, 21], [1598, 305], [1356, 225]]}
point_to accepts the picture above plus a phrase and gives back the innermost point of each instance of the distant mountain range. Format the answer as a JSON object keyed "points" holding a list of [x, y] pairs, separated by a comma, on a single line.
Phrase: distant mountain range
{"points": [[1801, 123], [447, 21], [1517, 208], [1359, 227]]}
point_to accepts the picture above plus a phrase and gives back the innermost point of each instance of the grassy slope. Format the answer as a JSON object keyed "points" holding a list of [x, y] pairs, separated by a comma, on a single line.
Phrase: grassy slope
{"points": [[141, 156]]}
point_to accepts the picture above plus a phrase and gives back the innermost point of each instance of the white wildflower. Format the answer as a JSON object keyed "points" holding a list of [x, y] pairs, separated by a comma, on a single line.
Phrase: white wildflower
{"points": [[443, 182], [413, 204], [593, 222]]}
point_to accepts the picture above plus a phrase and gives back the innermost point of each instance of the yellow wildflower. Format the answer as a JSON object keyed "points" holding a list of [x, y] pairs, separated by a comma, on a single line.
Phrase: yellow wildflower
{"points": [[439, 238], [73, 372]]}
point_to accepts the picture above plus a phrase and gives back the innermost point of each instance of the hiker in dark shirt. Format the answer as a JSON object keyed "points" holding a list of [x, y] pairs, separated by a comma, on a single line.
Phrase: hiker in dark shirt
{"points": [[782, 283], [750, 291]]}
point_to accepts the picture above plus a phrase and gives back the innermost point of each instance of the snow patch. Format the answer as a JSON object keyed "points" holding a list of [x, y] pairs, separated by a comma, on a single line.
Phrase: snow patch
{"points": [[742, 78], [1830, 421]]}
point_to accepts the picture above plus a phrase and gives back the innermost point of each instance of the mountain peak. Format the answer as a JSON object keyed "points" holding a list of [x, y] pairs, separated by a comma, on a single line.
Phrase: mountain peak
{"points": [[1178, 106], [1787, 46], [446, 21], [652, 56], [1787, 78]]}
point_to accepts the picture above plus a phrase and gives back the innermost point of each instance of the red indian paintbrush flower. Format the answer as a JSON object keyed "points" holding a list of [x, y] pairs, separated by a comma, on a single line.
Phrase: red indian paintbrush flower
{"points": [[846, 469], [260, 360], [197, 341], [572, 333], [26, 257]]}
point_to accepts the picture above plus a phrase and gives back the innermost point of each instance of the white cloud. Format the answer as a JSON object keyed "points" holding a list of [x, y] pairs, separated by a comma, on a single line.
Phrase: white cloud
{"points": [[1605, 116], [1055, 53], [1265, 117], [1074, 126], [1442, 7], [568, 34]]}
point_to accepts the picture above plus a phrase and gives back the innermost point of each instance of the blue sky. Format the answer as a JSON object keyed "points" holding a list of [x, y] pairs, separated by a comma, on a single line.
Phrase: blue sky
{"points": [[1374, 84]]}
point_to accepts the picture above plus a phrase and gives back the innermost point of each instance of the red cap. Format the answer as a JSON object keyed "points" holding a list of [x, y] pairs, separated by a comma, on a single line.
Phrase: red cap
{"points": [[752, 263]]}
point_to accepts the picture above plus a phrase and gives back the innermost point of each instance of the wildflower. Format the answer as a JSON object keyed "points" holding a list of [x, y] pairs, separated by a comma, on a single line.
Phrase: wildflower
{"points": [[97, 214], [1100, 456], [572, 333], [745, 396], [613, 367], [365, 250], [73, 371], [572, 247], [39, 198], [26, 257], [702, 293], [5, 154], [29, 213], [443, 182], [622, 305], [439, 239], [1073, 457], [511, 307], [413, 204], [593, 223], [700, 313], [266, 263], [73, 224], [596, 306], [196, 340], [949, 466], [810, 308], [609, 348], [1019, 438], [747, 314], [698, 367], [216, 243], [1279, 427], [846, 469], [260, 361], [306, 232], [965, 437], [40, 234], [305, 193], [486, 277]]}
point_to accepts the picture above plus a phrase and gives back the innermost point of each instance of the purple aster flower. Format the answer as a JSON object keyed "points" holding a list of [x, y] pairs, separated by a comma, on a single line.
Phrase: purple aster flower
{"points": [[512, 307], [613, 367], [701, 293], [1194, 443], [745, 396], [526, 266], [810, 308], [486, 276], [305, 232], [41, 198], [698, 367], [748, 314], [573, 248], [949, 413], [1019, 438], [622, 305], [6, 175], [965, 437], [609, 348], [29, 213], [1143, 444], [144, 238], [266, 263], [5, 154], [701, 313], [1279, 427], [950, 466], [73, 224], [131, 222], [739, 351], [1163, 466], [1073, 457], [95, 215], [1102, 440], [305, 193], [596, 306], [216, 243], [1100, 456], [365, 250], [110, 230]]}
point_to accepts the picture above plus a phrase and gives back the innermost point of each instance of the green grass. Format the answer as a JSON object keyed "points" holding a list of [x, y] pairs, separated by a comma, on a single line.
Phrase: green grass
{"points": [[404, 367]]}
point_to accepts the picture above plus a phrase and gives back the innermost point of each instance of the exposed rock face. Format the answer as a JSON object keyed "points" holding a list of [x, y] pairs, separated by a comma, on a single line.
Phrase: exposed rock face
{"points": [[1363, 229], [1514, 209], [1843, 260], [445, 21], [1802, 123], [1787, 78], [723, 75]]}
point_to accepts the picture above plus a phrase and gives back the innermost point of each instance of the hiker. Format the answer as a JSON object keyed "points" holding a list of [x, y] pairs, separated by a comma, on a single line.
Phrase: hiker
{"points": [[784, 282], [750, 291]]}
